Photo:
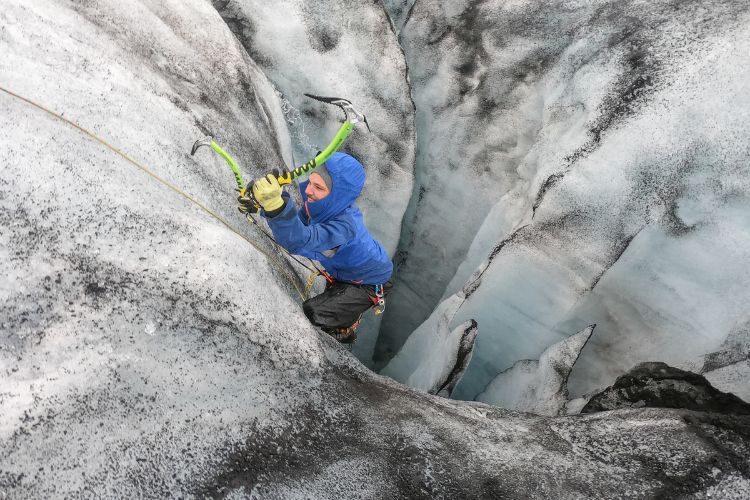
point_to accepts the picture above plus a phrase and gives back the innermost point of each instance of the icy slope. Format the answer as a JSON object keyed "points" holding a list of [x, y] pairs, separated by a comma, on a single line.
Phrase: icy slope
{"points": [[132, 322], [728, 368], [146, 350], [606, 177]]}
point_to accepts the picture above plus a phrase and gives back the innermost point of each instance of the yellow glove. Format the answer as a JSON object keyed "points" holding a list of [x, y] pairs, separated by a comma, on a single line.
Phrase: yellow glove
{"points": [[267, 192]]}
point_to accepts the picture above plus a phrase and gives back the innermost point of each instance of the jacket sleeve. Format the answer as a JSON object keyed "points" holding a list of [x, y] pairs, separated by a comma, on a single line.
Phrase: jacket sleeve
{"points": [[293, 235]]}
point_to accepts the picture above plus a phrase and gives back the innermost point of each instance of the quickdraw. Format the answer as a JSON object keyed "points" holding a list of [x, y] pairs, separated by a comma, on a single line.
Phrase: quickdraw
{"points": [[378, 300]]}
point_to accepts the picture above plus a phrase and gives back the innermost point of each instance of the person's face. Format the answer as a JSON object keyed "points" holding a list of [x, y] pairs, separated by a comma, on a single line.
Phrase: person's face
{"points": [[316, 189]]}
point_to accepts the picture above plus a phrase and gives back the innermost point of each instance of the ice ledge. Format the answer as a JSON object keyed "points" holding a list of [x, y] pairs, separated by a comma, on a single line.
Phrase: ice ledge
{"points": [[435, 356]]}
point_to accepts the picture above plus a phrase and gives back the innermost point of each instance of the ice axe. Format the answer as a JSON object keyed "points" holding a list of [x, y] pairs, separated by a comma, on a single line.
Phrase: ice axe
{"points": [[351, 117]]}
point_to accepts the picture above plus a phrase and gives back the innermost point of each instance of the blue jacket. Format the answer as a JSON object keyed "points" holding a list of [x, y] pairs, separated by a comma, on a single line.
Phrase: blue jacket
{"points": [[331, 230]]}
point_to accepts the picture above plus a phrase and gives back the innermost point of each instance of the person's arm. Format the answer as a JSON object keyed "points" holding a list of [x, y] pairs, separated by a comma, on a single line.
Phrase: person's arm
{"points": [[293, 235]]}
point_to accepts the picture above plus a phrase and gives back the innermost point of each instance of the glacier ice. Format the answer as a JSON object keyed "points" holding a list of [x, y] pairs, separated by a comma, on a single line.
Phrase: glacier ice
{"points": [[147, 350], [435, 356], [728, 368], [127, 312], [624, 203], [398, 10], [668, 298], [487, 78], [538, 386]]}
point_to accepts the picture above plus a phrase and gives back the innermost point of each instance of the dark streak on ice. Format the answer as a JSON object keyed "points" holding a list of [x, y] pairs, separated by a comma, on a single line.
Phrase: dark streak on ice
{"points": [[476, 280], [613, 258], [465, 350]]}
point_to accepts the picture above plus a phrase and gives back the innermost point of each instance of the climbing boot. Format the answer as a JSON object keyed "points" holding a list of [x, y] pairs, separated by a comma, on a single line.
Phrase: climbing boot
{"points": [[345, 335]]}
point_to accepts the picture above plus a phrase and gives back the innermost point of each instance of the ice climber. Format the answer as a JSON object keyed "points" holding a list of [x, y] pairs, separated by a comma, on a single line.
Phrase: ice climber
{"points": [[329, 228]]}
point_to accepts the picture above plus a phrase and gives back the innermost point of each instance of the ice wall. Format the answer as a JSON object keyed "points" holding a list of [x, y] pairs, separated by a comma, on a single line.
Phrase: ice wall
{"points": [[487, 78], [132, 322], [435, 356], [628, 205], [398, 10], [147, 350], [728, 368], [538, 386]]}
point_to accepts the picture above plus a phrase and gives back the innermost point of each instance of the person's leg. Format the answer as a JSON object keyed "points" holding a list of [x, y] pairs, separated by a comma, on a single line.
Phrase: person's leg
{"points": [[339, 306]]}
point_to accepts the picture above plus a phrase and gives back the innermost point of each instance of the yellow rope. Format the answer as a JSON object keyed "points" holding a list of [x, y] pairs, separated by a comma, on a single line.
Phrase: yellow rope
{"points": [[159, 179], [310, 282]]}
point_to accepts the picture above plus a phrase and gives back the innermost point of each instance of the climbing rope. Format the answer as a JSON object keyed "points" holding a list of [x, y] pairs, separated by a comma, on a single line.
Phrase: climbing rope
{"points": [[91, 135]]}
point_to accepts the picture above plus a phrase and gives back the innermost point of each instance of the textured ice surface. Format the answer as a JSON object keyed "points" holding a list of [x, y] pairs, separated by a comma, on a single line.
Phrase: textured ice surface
{"points": [[132, 325], [538, 386], [603, 162], [486, 77], [435, 356], [147, 351], [669, 298], [398, 10], [728, 368]]}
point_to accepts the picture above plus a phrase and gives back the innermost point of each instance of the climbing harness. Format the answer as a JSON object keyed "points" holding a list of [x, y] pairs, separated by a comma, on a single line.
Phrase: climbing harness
{"points": [[166, 183]]}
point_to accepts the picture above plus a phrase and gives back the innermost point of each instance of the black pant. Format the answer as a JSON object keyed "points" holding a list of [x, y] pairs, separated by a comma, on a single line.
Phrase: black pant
{"points": [[341, 304]]}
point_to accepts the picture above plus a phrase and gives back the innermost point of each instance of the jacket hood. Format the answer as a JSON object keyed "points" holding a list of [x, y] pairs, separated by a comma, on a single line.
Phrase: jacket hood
{"points": [[348, 178]]}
